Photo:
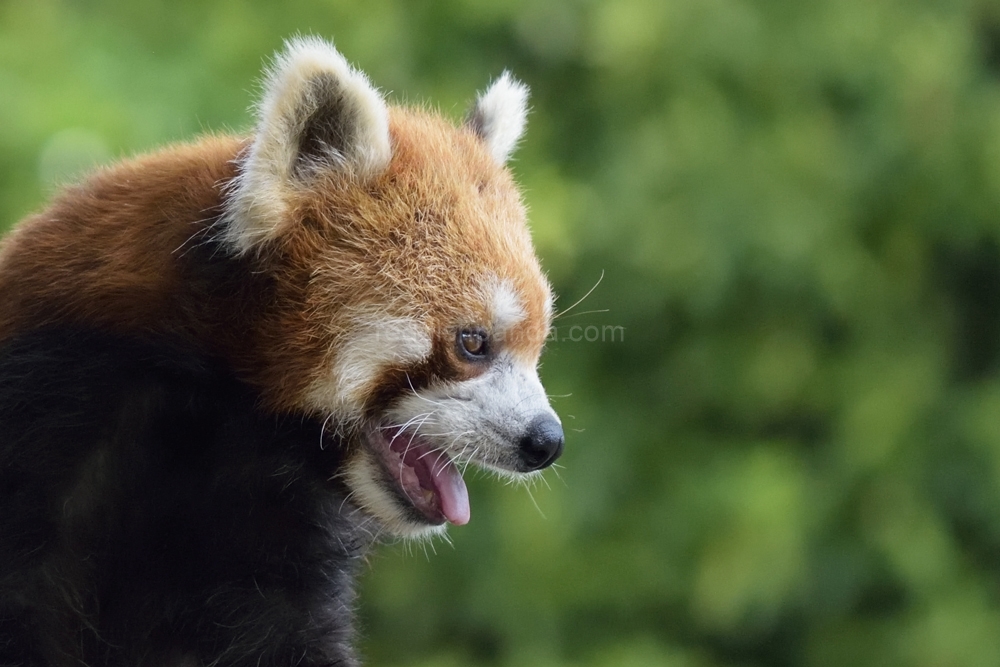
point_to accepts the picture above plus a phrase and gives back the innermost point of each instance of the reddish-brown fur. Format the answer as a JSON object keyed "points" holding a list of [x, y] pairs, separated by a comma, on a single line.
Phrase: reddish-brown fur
{"points": [[121, 252]]}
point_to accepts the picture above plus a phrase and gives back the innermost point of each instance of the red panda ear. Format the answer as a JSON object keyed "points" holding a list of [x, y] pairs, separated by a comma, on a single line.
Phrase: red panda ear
{"points": [[317, 114], [499, 116]]}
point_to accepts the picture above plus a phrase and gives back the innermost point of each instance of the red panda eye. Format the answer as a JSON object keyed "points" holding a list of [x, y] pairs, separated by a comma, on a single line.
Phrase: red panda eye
{"points": [[473, 343]]}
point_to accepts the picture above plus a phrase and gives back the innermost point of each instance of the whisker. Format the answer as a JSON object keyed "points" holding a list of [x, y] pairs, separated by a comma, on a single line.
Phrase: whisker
{"points": [[563, 313], [534, 502], [402, 457], [399, 430], [417, 394], [322, 432], [589, 312]]}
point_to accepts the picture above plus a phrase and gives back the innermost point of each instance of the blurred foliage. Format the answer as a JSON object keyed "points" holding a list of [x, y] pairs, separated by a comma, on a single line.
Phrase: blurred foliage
{"points": [[793, 458]]}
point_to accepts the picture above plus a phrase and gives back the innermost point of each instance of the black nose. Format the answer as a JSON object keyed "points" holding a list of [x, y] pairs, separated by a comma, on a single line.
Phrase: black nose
{"points": [[542, 442]]}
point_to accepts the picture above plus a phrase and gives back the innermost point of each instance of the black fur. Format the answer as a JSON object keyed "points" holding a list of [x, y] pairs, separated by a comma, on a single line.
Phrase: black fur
{"points": [[150, 514]]}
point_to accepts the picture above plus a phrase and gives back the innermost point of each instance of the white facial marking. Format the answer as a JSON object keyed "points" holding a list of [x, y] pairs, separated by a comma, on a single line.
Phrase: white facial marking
{"points": [[506, 309], [374, 342], [499, 116]]}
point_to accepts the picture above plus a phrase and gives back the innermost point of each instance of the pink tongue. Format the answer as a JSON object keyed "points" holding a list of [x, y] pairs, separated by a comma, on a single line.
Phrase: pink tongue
{"points": [[451, 489], [435, 472]]}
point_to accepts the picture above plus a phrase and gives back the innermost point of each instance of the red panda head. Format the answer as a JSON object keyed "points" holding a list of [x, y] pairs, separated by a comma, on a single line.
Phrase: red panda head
{"points": [[411, 310]]}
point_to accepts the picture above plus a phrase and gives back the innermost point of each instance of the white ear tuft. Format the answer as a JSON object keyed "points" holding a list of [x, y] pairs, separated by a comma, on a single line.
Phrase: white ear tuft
{"points": [[499, 116], [317, 113]]}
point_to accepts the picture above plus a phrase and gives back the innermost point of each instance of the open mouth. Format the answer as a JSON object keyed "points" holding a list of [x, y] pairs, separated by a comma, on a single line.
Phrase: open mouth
{"points": [[424, 476]]}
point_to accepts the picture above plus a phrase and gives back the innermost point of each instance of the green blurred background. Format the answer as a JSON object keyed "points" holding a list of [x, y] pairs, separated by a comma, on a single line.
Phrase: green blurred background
{"points": [[793, 457]]}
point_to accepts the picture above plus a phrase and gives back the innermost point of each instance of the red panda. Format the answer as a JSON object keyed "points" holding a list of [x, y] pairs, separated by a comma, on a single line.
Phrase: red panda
{"points": [[227, 368]]}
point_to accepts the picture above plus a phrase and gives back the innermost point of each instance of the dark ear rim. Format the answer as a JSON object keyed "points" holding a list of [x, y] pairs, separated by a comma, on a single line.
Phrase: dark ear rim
{"points": [[499, 116]]}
